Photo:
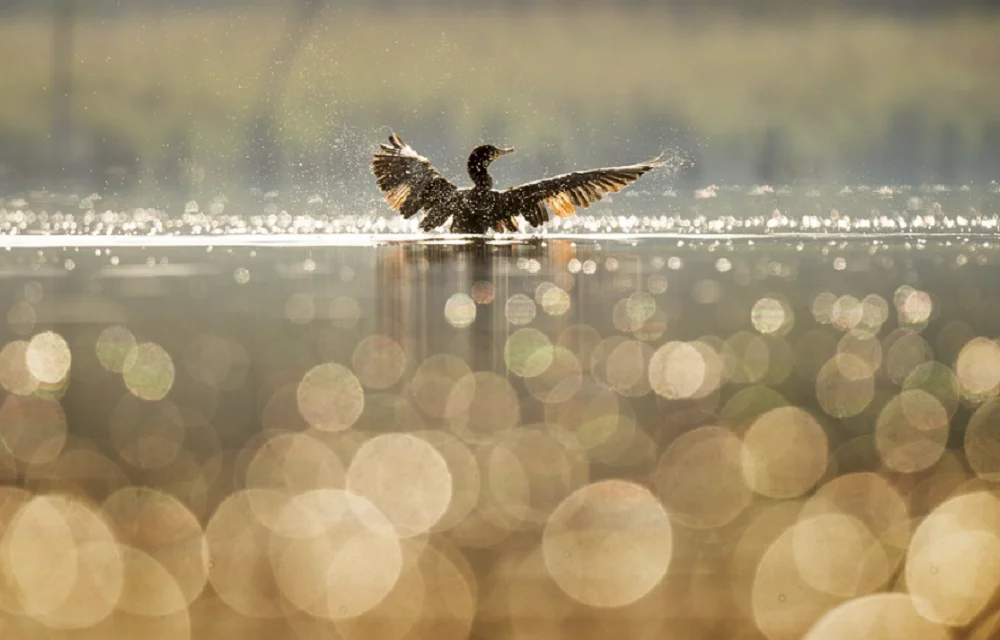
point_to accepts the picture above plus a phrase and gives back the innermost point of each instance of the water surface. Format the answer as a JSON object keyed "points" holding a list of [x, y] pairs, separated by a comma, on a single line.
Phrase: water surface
{"points": [[752, 432]]}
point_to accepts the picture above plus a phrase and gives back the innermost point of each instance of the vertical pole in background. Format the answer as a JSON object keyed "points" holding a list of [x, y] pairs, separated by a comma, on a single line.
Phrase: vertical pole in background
{"points": [[63, 15]]}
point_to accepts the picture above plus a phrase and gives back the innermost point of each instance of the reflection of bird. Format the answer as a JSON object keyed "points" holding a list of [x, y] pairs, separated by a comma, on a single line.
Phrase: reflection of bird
{"points": [[410, 184]]}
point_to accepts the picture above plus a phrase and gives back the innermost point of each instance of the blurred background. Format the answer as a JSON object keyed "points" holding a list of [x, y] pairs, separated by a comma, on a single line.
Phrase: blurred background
{"points": [[194, 97], [765, 407]]}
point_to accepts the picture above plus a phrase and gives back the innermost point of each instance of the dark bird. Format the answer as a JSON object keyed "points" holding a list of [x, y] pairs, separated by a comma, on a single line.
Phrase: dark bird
{"points": [[412, 184]]}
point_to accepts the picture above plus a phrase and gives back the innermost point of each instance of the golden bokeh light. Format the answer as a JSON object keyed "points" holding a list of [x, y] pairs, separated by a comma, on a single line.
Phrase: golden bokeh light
{"points": [[846, 312], [653, 327], [784, 604], [581, 339], [939, 381], [146, 435], [480, 405], [863, 346], [148, 371], [560, 380], [822, 307], [378, 361], [48, 357], [519, 309], [599, 357], [465, 477], [344, 312], [148, 588], [21, 318], [845, 386], [527, 472], [626, 368], [333, 555], [640, 307], [912, 431], [450, 595], [978, 369], [874, 314], [167, 533], [880, 616], [483, 292], [905, 351], [677, 370], [764, 522], [982, 441], [433, 382], [396, 615], [837, 554], [240, 568], [608, 544], [872, 501], [460, 310], [113, 347], [288, 464], [953, 564], [772, 316], [681, 370], [15, 376], [913, 306], [407, 481], [698, 478], [554, 300], [33, 430], [593, 420], [635, 440], [64, 562], [330, 397], [784, 453], [743, 408], [751, 357], [528, 353]]}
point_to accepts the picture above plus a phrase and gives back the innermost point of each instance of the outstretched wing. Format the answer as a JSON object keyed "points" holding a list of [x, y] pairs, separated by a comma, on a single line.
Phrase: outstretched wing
{"points": [[562, 194], [411, 183]]}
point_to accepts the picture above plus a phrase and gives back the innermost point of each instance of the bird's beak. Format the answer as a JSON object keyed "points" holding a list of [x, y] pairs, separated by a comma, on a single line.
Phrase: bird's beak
{"points": [[503, 152]]}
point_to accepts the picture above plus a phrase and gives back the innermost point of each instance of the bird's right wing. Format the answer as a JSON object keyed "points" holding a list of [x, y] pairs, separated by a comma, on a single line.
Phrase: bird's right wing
{"points": [[562, 194], [411, 183]]}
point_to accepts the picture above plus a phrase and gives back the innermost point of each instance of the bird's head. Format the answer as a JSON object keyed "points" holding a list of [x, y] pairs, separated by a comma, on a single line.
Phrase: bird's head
{"points": [[485, 154]]}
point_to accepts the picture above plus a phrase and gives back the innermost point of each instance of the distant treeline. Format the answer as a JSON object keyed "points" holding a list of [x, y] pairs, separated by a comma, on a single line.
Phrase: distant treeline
{"points": [[192, 101], [742, 8]]}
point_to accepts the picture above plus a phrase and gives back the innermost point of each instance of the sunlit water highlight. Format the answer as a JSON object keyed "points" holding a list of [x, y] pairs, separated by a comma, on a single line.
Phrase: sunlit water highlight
{"points": [[712, 211]]}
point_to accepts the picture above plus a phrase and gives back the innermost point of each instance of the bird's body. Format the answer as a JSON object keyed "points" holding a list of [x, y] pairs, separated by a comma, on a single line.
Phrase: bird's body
{"points": [[476, 208], [412, 184]]}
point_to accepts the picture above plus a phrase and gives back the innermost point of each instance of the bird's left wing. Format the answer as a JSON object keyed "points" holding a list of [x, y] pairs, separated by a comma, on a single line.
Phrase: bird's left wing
{"points": [[562, 194], [411, 183]]}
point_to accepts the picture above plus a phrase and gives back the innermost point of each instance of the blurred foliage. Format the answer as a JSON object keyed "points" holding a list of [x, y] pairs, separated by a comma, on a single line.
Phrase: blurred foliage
{"points": [[175, 93]]}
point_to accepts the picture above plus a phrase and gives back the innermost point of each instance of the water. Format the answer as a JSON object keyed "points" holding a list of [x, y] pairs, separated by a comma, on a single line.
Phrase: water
{"points": [[712, 210], [691, 424]]}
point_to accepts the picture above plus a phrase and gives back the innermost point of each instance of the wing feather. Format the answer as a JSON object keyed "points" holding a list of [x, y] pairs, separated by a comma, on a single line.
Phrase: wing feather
{"points": [[411, 183], [563, 194]]}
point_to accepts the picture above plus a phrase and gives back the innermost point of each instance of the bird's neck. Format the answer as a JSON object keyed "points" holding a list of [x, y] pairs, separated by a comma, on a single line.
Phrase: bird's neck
{"points": [[480, 175]]}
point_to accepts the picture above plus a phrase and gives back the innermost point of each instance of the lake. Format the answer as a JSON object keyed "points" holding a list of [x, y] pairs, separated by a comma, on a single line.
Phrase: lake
{"points": [[754, 414]]}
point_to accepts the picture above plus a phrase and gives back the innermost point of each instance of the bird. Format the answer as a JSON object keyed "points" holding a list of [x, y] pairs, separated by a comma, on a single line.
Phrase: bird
{"points": [[411, 184]]}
